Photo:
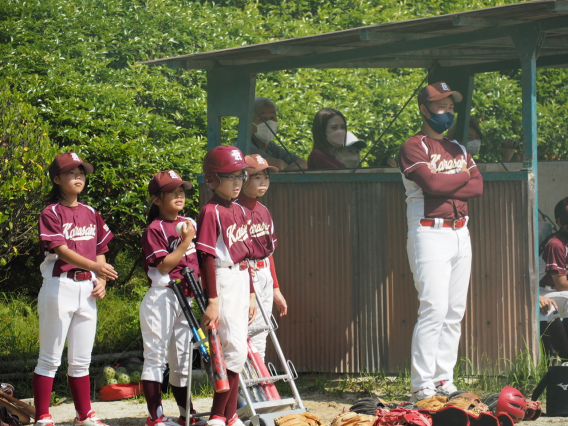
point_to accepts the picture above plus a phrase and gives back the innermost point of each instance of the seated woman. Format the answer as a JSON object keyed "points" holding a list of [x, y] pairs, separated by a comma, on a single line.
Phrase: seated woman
{"points": [[474, 136], [329, 129]]}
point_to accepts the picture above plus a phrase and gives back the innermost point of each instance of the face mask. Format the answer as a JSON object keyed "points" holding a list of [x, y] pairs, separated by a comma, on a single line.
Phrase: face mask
{"points": [[336, 138], [440, 122], [350, 159], [263, 131], [473, 146]]}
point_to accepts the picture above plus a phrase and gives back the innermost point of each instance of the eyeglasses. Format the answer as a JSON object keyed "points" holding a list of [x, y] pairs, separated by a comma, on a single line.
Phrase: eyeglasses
{"points": [[232, 178]]}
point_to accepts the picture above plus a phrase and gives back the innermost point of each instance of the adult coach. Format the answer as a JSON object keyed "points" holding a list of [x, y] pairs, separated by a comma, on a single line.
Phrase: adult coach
{"points": [[263, 133], [439, 177]]}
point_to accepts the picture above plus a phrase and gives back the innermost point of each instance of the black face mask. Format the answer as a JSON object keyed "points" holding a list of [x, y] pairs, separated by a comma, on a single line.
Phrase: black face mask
{"points": [[563, 232], [439, 122]]}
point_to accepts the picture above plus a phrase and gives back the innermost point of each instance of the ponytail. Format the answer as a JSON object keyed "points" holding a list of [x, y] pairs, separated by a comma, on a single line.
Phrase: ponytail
{"points": [[54, 196], [153, 213]]}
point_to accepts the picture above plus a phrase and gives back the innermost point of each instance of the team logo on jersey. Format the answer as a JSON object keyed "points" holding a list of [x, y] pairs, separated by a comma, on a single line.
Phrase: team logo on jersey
{"points": [[175, 243], [79, 233], [106, 228], [234, 234], [75, 157], [259, 229], [173, 175], [446, 166], [237, 155]]}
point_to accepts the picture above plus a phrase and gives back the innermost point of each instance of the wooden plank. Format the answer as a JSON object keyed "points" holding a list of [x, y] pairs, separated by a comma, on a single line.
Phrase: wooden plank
{"points": [[467, 21]]}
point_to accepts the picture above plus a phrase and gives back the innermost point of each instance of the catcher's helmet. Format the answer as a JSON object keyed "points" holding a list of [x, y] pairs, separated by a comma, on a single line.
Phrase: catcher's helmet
{"points": [[512, 402], [222, 159]]}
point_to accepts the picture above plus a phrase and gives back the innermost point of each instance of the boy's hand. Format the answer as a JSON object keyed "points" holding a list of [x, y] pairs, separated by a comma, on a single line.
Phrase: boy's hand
{"points": [[252, 308], [99, 290], [211, 314], [105, 271], [280, 302], [188, 232]]}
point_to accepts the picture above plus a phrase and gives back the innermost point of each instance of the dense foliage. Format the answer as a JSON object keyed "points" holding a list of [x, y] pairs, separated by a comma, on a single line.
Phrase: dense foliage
{"points": [[74, 62]]}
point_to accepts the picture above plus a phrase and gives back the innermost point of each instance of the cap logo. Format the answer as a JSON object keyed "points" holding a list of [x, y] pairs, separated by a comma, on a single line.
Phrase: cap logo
{"points": [[173, 174], [445, 87], [75, 157], [260, 160], [237, 155]]}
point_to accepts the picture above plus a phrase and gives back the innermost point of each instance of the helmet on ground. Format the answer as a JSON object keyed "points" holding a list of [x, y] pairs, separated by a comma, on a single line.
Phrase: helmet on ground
{"points": [[222, 159], [512, 402]]}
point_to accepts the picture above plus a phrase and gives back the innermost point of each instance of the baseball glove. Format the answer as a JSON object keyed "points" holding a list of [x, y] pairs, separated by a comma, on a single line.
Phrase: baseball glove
{"points": [[434, 403], [350, 418], [491, 401], [534, 410], [312, 419], [400, 416], [291, 420], [7, 388], [469, 402], [368, 405]]}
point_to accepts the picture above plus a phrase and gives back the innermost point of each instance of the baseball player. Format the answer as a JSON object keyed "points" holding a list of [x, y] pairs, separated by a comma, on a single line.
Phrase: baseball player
{"points": [[224, 245], [165, 330], [553, 262], [439, 176], [263, 242], [74, 239]]}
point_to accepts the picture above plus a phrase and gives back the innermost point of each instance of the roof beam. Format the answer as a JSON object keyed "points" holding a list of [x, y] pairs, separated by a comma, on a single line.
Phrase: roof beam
{"points": [[435, 42], [467, 21], [301, 50], [558, 7]]}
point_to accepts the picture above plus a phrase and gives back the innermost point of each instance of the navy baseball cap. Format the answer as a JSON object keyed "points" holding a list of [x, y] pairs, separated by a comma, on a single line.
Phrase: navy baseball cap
{"points": [[66, 162]]}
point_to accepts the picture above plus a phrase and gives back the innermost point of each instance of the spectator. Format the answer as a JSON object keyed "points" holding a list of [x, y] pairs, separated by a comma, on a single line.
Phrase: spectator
{"points": [[350, 154], [262, 135], [329, 131]]}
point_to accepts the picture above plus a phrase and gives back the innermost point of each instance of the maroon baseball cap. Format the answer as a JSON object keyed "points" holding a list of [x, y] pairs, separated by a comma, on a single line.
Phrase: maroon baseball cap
{"points": [[258, 164], [437, 91], [66, 162], [167, 181]]}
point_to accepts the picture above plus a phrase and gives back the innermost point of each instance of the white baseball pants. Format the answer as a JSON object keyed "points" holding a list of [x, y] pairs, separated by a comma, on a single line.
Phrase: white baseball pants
{"points": [[66, 311], [263, 286], [233, 288], [165, 335], [440, 260]]}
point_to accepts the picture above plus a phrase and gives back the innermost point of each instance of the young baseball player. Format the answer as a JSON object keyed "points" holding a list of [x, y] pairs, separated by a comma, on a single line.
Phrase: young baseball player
{"points": [[165, 330], [74, 239], [225, 247], [263, 242], [553, 263], [439, 176]]}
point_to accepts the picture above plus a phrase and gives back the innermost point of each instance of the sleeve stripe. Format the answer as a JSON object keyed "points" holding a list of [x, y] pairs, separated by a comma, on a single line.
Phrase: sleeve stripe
{"points": [[205, 245], [415, 164], [157, 251], [51, 235], [104, 238]]}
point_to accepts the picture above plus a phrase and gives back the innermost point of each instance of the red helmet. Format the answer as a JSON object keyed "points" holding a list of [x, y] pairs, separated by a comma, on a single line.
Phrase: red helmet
{"points": [[512, 402], [222, 159]]}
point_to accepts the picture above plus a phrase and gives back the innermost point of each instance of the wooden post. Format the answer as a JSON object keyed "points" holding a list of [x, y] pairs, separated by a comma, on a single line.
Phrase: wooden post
{"points": [[230, 93]]}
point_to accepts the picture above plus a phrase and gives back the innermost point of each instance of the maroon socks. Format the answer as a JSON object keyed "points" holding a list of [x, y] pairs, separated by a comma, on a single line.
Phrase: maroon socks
{"points": [[153, 394], [225, 404], [42, 386], [81, 392]]}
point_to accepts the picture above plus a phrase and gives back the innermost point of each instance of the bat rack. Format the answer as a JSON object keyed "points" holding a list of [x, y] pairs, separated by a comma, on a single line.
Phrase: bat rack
{"points": [[261, 412]]}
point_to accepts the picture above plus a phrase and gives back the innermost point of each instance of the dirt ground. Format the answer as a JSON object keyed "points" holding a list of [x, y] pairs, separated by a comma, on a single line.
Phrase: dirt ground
{"points": [[133, 412]]}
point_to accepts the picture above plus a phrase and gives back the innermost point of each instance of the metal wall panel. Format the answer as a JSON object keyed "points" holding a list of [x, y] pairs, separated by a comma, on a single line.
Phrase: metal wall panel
{"points": [[342, 265]]}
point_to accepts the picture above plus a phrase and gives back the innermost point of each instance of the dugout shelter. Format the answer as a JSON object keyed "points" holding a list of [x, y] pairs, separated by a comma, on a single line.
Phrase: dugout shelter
{"points": [[352, 301]]}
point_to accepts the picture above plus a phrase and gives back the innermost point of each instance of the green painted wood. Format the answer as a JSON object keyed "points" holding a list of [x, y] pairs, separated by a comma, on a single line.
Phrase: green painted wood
{"points": [[342, 177], [528, 43], [230, 93], [404, 46]]}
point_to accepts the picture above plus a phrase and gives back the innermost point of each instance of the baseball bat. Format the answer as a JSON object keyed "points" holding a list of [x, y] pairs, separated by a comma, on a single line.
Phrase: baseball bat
{"points": [[256, 390], [26, 408], [221, 380], [260, 367], [196, 289]]}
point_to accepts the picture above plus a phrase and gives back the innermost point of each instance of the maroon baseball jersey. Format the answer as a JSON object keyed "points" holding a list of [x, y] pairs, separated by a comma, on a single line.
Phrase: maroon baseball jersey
{"points": [[80, 228], [320, 160], [260, 227], [159, 240], [553, 256], [443, 194], [222, 232]]}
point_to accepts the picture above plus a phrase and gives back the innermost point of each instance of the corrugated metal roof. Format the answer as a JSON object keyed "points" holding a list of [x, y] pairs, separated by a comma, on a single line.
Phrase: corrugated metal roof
{"points": [[475, 37]]}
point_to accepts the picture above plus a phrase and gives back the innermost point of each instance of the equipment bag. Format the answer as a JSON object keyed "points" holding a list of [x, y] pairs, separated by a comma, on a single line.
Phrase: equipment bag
{"points": [[556, 383]]}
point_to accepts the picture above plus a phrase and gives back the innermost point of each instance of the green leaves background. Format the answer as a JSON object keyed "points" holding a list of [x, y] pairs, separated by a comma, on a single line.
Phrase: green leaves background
{"points": [[70, 65]]}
